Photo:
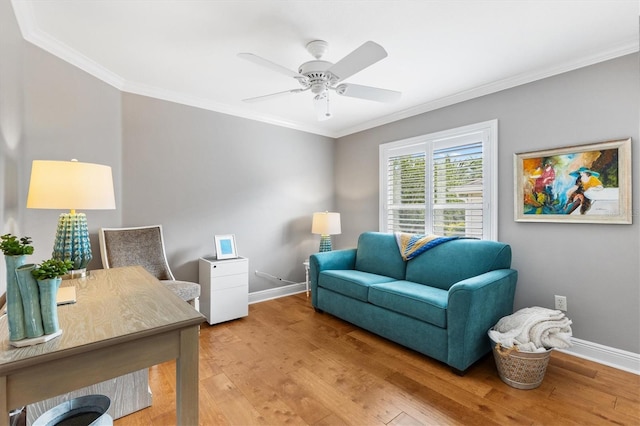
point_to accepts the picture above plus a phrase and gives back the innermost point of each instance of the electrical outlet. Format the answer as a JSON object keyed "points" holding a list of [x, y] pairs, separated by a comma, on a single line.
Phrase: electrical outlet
{"points": [[561, 303]]}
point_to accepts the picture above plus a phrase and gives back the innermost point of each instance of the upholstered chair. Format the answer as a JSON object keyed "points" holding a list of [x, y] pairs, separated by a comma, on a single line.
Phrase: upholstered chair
{"points": [[144, 246]]}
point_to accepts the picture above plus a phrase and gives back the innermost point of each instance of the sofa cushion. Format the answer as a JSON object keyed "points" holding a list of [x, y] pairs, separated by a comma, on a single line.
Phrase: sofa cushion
{"points": [[378, 253], [457, 260], [350, 282], [419, 301]]}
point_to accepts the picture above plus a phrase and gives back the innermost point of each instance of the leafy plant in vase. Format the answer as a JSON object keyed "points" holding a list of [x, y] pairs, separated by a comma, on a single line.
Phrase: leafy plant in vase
{"points": [[11, 246], [15, 254], [49, 276]]}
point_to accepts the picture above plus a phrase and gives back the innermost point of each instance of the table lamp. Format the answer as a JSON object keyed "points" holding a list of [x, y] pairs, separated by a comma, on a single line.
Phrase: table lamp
{"points": [[326, 224], [71, 185]]}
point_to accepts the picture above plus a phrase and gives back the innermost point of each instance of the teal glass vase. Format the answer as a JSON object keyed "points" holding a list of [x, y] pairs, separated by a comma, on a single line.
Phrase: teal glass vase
{"points": [[15, 311], [30, 300], [49, 305]]}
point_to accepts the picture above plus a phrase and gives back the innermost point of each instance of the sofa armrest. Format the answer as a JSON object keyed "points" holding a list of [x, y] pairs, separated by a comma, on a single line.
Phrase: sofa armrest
{"points": [[475, 305], [336, 259]]}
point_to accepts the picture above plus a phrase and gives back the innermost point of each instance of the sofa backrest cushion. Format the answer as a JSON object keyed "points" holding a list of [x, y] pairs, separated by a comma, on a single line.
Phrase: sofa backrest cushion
{"points": [[378, 253], [457, 260]]}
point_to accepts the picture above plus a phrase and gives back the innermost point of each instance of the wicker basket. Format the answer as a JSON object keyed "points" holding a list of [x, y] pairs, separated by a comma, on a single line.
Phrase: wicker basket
{"points": [[521, 370]]}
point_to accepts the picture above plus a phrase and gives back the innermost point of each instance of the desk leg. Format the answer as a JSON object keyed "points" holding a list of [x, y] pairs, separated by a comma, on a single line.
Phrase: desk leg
{"points": [[187, 377], [4, 410]]}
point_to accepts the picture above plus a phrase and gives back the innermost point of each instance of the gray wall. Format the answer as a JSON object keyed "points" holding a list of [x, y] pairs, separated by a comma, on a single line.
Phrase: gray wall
{"points": [[67, 114], [594, 265], [11, 117], [201, 173]]}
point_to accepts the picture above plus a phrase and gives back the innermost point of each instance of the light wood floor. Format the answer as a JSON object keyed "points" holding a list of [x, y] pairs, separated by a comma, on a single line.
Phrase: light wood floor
{"points": [[286, 364]]}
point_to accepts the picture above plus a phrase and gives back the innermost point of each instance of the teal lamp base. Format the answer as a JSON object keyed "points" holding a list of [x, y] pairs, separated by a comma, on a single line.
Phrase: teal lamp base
{"points": [[72, 242], [325, 243]]}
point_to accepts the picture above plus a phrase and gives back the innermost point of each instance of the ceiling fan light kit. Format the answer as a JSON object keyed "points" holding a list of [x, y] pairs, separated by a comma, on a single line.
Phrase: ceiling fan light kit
{"points": [[320, 76]]}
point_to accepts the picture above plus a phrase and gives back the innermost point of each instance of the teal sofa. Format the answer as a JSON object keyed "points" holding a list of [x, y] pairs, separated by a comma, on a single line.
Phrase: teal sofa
{"points": [[441, 303]]}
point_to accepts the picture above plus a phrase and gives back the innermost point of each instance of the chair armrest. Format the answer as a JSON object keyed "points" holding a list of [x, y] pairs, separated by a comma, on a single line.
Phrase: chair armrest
{"points": [[328, 260], [475, 305]]}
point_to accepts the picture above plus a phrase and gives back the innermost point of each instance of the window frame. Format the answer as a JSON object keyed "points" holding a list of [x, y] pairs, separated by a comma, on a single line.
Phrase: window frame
{"points": [[486, 131]]}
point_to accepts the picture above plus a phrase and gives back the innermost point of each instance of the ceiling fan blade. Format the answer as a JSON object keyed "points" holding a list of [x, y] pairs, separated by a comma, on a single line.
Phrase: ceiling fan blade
{"points": [[367, 54], [272, 95], [271, 65], [321, 103], [367, 92]]}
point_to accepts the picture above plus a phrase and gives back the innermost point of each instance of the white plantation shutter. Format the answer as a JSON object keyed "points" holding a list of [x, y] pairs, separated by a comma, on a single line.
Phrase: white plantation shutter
{"points": [[405, 194], [441, 184], [457, 190]]}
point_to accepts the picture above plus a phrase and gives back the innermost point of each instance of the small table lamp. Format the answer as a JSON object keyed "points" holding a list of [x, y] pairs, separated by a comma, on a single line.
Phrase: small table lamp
{"points": [[71, 185], [326, 224]]}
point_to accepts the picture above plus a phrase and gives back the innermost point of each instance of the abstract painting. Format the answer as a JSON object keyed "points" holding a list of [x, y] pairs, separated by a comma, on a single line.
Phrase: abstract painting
{"points": [[578, 184]]}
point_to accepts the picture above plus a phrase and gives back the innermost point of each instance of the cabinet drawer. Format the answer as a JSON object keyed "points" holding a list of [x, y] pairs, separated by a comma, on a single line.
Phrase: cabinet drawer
{"points": [[228, 304], [221, 269], [230, 281]]}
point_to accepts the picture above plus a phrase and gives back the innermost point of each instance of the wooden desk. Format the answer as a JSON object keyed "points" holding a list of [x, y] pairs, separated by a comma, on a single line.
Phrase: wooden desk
{"points": [[124, 320]]}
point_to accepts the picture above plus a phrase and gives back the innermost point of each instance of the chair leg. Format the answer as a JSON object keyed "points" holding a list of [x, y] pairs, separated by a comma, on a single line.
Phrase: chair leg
{"points": [[195, 303]]}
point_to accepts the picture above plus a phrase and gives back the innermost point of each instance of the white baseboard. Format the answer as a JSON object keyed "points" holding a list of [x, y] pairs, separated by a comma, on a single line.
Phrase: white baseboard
{"points": [[274, 293], [616, 358]]}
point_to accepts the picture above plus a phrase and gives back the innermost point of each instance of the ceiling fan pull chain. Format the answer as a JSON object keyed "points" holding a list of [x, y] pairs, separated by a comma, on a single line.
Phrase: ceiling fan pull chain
{"points": [[327, 112]]}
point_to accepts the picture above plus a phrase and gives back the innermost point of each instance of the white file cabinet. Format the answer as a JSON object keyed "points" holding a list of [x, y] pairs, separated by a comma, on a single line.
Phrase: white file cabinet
{"points": [[224, 293]]}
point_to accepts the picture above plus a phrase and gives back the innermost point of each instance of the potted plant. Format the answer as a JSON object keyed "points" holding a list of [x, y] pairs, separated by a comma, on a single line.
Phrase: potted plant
{"points": [[49, 276], [11, 246], [51, 269], [15, 253]]}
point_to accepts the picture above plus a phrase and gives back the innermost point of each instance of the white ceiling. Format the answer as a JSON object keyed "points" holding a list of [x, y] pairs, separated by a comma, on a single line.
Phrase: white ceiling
{"points": [[440, 52]]}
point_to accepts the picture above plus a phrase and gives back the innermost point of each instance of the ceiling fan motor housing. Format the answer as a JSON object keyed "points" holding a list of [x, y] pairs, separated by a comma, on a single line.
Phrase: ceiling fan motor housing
{"points": [[317, 78]]}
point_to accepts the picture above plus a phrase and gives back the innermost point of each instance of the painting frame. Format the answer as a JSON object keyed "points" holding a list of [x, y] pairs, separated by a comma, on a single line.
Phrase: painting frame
{"points": [[225, 246], [549, 187]]}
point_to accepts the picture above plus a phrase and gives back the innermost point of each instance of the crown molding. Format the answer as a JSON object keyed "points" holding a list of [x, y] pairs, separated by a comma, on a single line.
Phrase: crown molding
{"points": [[203, 103], [31, 33], [625, 48]]}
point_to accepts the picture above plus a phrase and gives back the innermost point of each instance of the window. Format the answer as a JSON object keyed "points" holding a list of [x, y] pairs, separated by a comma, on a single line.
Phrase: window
{"points": [[443, 183]]}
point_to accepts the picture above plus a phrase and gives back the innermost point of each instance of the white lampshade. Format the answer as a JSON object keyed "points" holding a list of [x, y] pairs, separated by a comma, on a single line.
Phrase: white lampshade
{"points": [[70, 185], [326, 223]]}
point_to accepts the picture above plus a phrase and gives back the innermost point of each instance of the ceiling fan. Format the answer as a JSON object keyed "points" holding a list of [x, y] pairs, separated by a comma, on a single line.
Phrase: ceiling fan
{"points": [[321, 76]]}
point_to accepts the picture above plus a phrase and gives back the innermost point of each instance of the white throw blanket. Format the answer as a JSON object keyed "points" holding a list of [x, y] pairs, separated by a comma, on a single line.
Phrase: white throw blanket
{"points": [[533, 329]]}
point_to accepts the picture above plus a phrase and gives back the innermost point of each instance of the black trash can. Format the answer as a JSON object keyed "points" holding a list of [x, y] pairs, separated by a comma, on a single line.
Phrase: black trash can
{"points": [[90, 410]]}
